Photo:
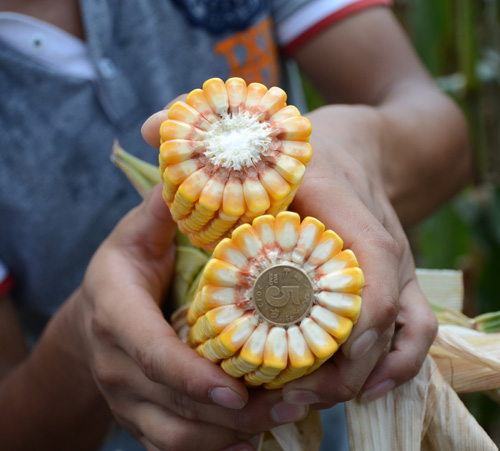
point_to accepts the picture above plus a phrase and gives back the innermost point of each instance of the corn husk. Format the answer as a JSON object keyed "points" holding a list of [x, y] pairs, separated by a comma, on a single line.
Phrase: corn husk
{"points": [[468, 360], [442, 285], [422, 414], [142, 175], [426, 412]]}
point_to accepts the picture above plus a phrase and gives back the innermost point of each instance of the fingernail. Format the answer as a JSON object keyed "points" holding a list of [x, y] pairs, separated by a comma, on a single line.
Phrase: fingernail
{"points": [[363, 344], [301, 397], [378, 390], [282, 412], [225, 397]]}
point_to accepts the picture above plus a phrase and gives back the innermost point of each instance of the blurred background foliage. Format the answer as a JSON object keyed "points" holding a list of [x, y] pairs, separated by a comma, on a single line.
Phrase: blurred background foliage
{"points": [[459, 42]]}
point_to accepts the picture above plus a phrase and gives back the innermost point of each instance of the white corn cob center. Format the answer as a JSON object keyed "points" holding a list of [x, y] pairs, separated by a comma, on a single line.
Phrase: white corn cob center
{"points": [[238, 141]]}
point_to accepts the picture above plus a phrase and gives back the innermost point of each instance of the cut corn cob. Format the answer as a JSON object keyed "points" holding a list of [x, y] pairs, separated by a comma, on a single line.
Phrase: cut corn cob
{"points": [[276, 300], [228, 154]]}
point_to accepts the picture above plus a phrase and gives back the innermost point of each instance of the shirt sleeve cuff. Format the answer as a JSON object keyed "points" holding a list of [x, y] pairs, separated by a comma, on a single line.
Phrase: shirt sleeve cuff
{"points": [[296, 30]]}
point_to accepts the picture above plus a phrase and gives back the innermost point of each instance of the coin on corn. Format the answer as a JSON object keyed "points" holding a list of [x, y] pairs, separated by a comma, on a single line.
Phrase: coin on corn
{"points": [[276, 300], [229, 154]]}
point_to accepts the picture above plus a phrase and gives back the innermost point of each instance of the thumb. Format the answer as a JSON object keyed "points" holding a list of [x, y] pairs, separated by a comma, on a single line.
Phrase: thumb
{"points": [[147, 231], [151, 128]]}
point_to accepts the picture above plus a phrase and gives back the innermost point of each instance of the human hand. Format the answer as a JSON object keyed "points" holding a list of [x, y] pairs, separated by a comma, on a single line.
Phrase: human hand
{"points": [[343, 187], [160, 390]]}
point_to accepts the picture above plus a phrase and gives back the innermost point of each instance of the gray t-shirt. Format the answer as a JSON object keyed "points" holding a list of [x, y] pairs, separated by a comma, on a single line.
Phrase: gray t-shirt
{"points": [[60, 195]]}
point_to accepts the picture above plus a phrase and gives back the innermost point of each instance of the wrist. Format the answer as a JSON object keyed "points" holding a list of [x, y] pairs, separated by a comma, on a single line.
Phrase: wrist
{"points": [[64, 342], [52, 392], [356, 130]]}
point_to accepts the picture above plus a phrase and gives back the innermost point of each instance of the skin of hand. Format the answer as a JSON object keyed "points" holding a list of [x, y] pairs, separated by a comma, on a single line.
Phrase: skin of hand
{"points": [[159, 389], [396, 328], [109, 348]]}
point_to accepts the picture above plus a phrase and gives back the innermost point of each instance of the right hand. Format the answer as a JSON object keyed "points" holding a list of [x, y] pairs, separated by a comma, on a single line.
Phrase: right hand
{"points": [[160, 390]]}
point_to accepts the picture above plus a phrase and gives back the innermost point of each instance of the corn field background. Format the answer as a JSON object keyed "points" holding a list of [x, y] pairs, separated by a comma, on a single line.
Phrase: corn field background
{"points": [[459, 42]]}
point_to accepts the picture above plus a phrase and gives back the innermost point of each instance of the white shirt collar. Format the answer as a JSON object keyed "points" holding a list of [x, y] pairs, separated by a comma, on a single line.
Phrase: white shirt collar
{"points": [[47, 44]]}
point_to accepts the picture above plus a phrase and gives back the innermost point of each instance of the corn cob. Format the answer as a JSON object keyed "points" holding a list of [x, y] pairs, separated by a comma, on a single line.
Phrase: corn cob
{"points": [[228, 154], [276, 300]]}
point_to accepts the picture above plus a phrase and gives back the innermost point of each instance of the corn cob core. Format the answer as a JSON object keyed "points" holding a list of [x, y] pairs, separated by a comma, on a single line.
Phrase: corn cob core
{"points": [[276, 300], [228, 154]]}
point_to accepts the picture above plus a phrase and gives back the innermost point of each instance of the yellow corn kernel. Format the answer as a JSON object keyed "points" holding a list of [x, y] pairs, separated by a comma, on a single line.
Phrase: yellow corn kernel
{"points": [[276, 186], [191, 187], [286, 229], [309, 235], [274, 100], [299, 354], [216, 94], [182, 112], [299, 150], [285, 113], [336, 325], [213, 322], [250, 356], [226, 250], [319, 341], [211, 195], [295, 128], [344, 259], [348, 280], [245, 238], [329, 245], [177, 150], [233, 200], [290, 169], [234, 336], [252, 353], [171, 129], [178, 172], [256, 197], [255, 92], [237, 93], [198, 101], [344, 304], [264, 226], [221, 273]]}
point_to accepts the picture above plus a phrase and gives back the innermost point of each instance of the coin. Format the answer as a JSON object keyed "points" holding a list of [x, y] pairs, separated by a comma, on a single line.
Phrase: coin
{"points": [[283, 294]]}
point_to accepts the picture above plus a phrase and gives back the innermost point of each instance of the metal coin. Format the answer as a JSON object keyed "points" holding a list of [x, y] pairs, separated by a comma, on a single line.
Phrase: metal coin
{"points": [[283, 294]]}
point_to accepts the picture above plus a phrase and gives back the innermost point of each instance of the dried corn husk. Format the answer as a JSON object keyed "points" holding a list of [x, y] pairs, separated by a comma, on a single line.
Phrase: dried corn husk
{"points": [[468, 360], [423, 414], [142, 175]]}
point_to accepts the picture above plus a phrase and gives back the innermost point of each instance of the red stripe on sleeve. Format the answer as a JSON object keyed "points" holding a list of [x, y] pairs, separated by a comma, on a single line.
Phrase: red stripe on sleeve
{"points": [[6, 285], [335, 17]]}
